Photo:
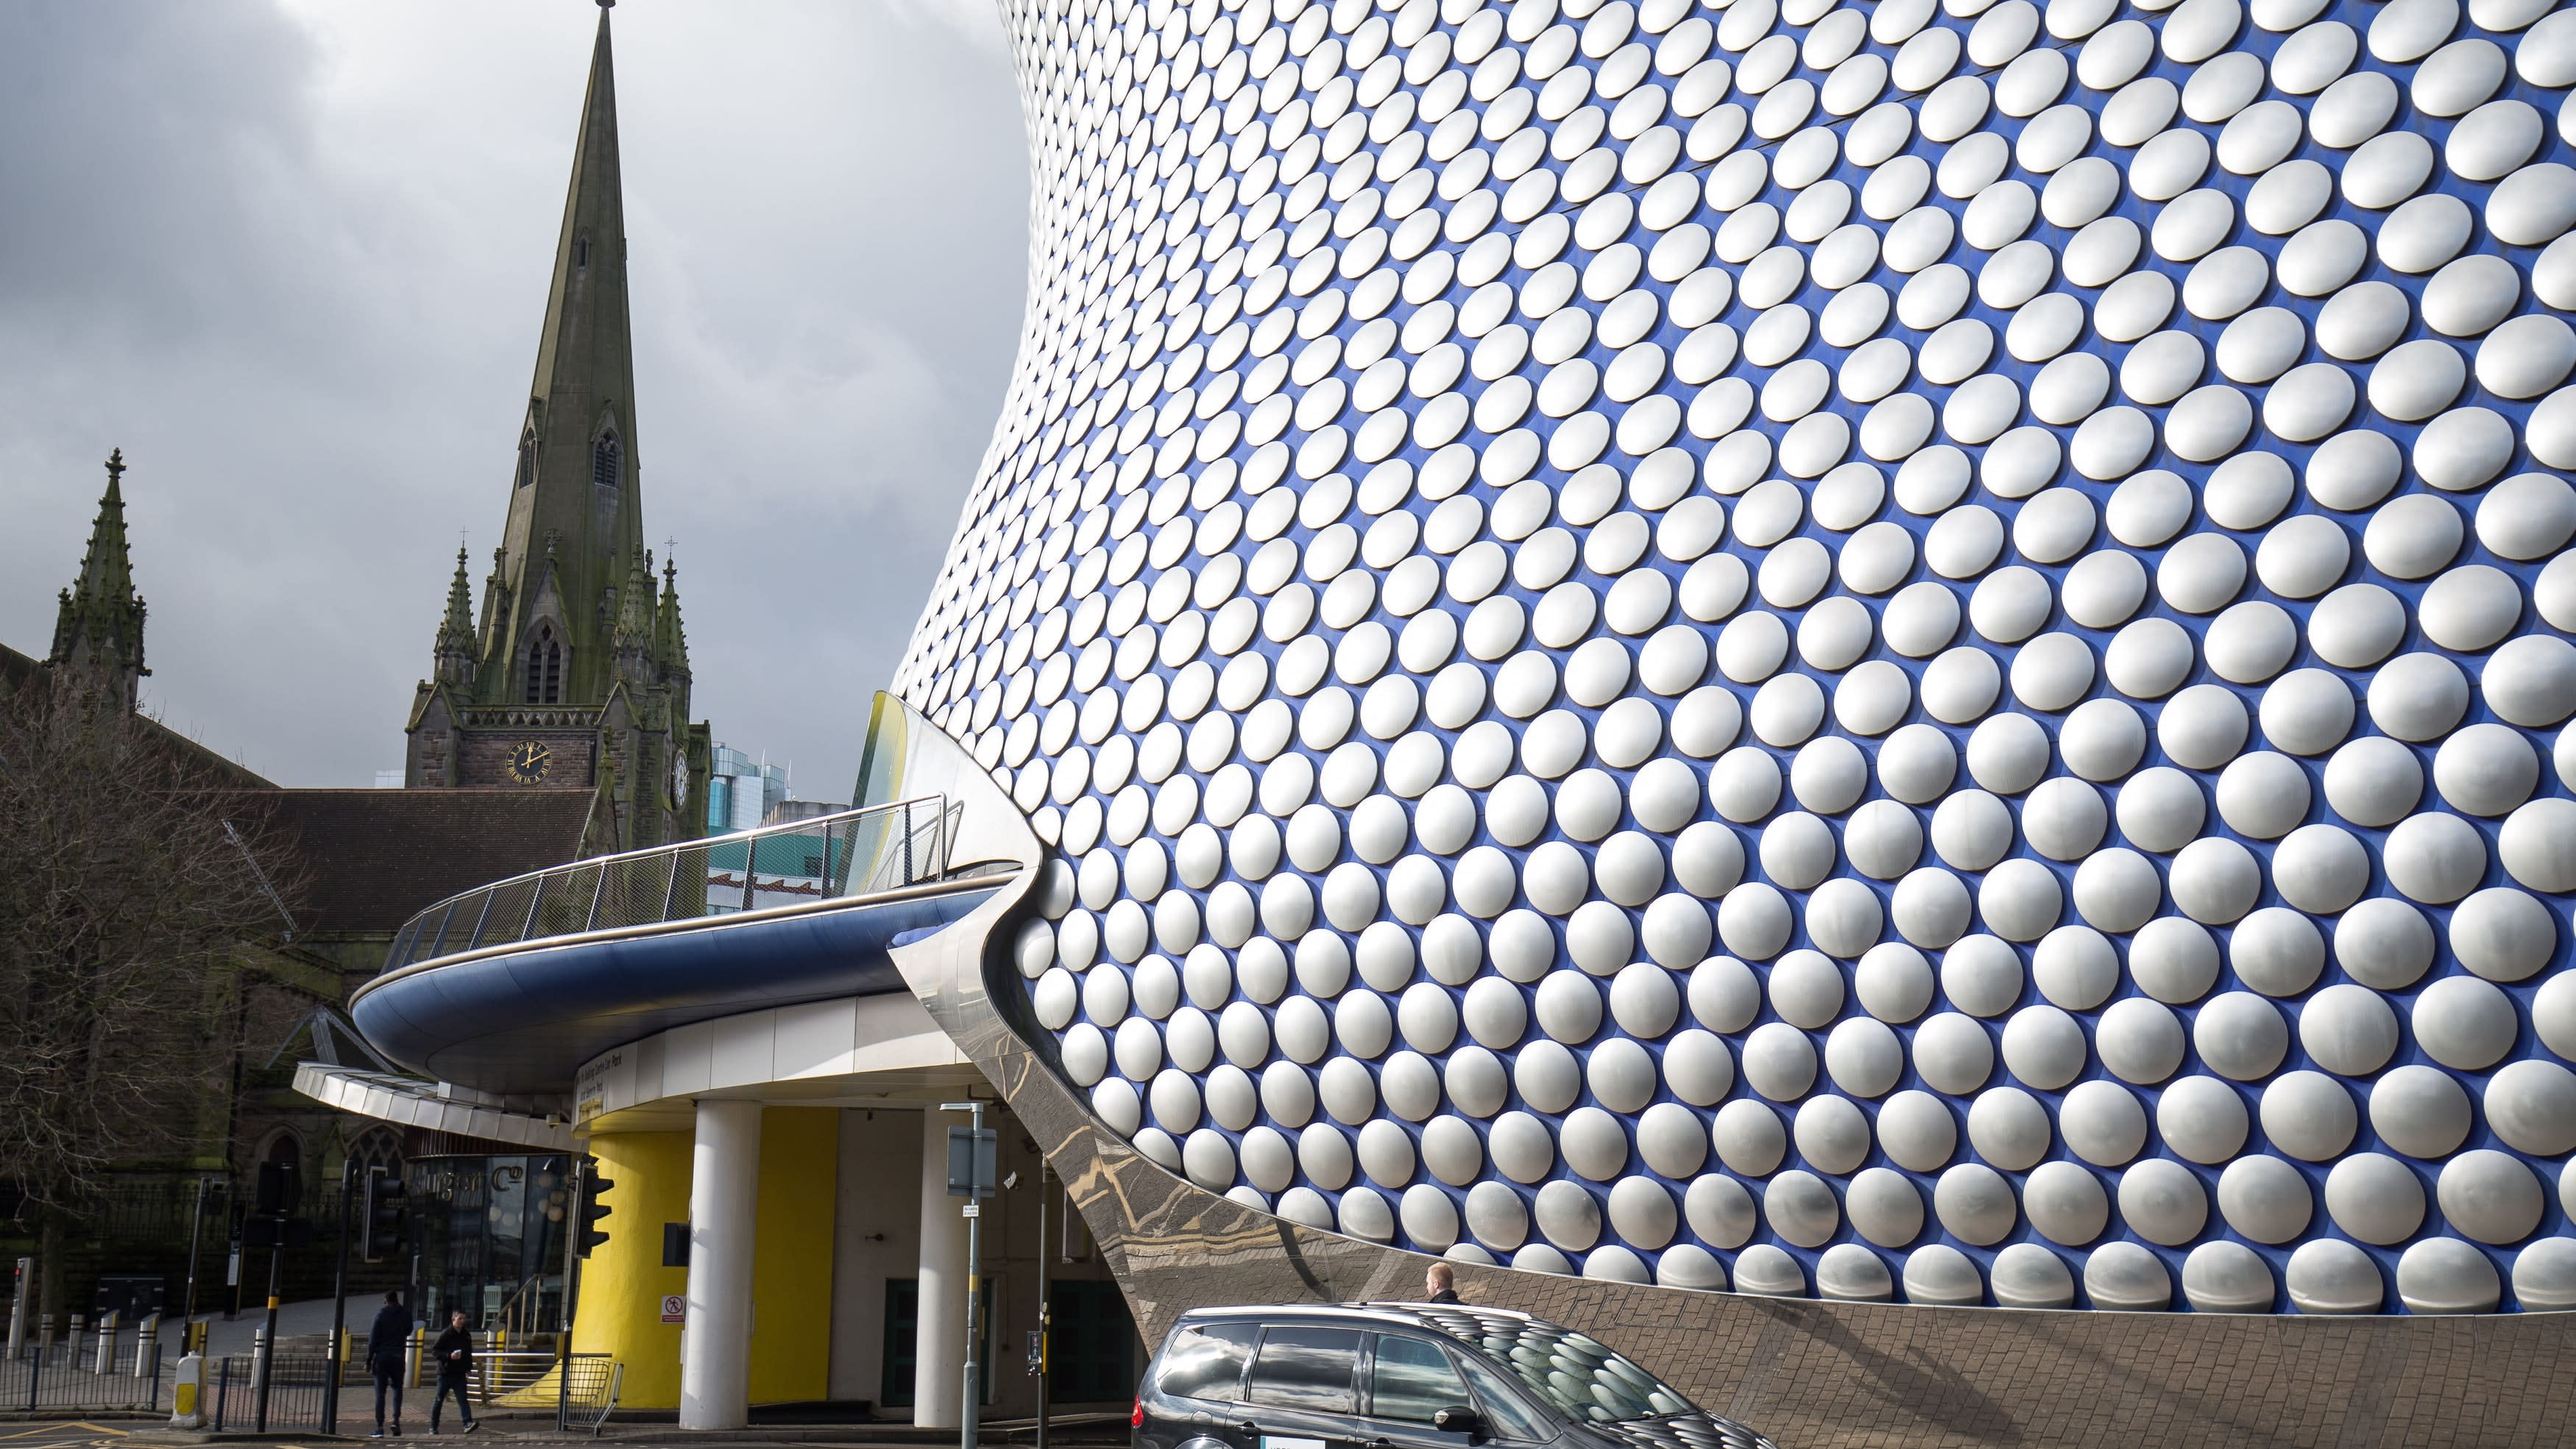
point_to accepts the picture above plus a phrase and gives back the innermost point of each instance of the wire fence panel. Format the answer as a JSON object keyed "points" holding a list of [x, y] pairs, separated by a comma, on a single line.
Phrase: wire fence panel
{"points": [[38, 1380], [635, 892], [504, 914], [298, 1385]]}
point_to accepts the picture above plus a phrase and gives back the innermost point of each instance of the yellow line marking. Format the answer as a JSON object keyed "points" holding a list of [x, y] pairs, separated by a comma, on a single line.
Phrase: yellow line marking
{"points": [[58, 1429]]}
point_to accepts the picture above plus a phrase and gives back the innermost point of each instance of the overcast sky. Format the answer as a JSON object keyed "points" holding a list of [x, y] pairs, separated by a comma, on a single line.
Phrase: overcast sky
{"points": [[291, 256]]}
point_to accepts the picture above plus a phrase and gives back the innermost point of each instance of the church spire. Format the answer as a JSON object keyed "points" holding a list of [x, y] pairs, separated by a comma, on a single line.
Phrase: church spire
{"points": [[455, 649], [98, 631], [573, 651], [575, 486]]}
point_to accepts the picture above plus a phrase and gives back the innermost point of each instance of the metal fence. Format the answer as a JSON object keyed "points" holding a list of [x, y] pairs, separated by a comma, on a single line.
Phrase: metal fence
{"points": [[59, 1377], [298, 1388], [857, 852]]}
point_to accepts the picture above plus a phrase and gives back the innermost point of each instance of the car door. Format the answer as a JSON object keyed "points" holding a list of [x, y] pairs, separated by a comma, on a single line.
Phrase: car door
{"points": [[1303, 1389], [1198, 1385], [1409, 1383]]}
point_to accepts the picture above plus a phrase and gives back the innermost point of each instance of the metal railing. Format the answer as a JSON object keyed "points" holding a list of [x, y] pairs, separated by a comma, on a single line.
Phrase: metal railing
{"points": [[579, 1389], [857, 852], [72, 1376], [525, 1310], [297, 1385], [502, 1374]]}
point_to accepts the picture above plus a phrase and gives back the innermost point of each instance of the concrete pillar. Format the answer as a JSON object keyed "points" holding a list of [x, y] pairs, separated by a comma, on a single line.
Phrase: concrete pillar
{"points": [[939, 1352], [724, 1199]]}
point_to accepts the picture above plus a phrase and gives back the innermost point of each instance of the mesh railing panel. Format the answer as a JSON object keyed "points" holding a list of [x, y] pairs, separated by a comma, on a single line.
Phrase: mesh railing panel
{"points": [[634, 891], [880, 848]]}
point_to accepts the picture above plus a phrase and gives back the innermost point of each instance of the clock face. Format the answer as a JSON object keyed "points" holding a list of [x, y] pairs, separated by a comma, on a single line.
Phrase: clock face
{"points": [[528, 762], [679, 778]]}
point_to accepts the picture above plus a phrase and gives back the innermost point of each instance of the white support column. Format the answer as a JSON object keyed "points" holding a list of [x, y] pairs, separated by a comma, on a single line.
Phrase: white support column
{"points": [[724, 1198], [939, 1348]]}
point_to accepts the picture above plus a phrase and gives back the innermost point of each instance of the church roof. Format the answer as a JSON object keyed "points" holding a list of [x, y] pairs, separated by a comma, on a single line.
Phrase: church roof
{"points": [[370, 859], [374, 858], [17, 669]]}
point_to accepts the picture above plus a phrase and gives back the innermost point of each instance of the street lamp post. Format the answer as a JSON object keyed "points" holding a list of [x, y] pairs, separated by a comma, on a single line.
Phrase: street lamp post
{"points": [[268, 1334], [1045, 1325], [339, 1304], [974, 1183], [196, 1230]]}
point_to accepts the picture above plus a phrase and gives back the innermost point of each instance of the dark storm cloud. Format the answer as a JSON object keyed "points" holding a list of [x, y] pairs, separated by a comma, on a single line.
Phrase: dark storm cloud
{"points": [[292, 259]]}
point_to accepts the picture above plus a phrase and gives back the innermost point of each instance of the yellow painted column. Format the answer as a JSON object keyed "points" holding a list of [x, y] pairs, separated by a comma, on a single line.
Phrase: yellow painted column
{"points": [[623, 1282], [791, 1339]]}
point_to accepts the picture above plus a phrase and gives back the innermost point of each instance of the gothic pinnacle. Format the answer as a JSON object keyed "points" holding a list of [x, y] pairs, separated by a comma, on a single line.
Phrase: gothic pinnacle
{"points": [[453, 655], [99, 624]]}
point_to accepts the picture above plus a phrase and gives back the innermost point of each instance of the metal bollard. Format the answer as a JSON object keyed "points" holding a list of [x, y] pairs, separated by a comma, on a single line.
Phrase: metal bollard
{"points": [[104, 1361], [26, 1280], [72, 1340], [147, 1348], [44, 1337]]}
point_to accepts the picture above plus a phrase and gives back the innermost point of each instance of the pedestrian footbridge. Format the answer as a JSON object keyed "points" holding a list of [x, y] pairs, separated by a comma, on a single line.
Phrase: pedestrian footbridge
{"points": [[513, 986], [750, 1038]]}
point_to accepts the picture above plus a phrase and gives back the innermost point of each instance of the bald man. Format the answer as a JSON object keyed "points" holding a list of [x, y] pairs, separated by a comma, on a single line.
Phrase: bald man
{"points": [[1440, 1285]]}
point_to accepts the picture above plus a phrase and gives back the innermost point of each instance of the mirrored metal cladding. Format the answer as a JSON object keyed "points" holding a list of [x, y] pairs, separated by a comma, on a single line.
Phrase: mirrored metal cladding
{"points": [[1896, 651]]}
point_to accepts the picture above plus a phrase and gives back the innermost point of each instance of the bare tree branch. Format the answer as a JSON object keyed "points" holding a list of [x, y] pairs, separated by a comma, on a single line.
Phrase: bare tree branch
{"points": [[123, 908]]}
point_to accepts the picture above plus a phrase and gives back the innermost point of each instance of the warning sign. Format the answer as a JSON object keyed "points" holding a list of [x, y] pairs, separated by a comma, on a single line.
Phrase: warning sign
{"points": [[675, 1308]]}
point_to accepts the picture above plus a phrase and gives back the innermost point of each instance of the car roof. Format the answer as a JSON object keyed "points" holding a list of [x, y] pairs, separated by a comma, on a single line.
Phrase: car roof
{"points": [[1410, 1315]]}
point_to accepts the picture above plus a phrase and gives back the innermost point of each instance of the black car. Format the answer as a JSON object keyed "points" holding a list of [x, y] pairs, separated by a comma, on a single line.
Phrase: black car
{"points": [[1407, 1376]]}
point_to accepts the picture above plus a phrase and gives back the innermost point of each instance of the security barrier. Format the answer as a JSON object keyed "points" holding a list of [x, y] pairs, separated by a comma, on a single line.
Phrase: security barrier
{"points": [[101, 1373]]}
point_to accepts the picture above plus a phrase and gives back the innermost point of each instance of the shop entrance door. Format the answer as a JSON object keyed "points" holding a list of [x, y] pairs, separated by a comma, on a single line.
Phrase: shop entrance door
{"points": [[902, 1326], [1091, 1344]]}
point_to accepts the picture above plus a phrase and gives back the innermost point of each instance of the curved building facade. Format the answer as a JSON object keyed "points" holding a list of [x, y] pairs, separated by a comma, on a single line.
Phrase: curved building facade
{"points": [[1905, 652]]}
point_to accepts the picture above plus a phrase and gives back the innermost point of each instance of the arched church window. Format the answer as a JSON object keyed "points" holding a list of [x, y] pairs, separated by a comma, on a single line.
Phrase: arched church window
{"points": [[545, 668], [580, 252], [603, 460], [527, 457]]}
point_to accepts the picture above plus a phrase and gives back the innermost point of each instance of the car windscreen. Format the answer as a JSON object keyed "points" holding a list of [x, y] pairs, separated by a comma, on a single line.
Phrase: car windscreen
{"points": [[1306, 1368], [1579, 1376], [1206, 1362]]}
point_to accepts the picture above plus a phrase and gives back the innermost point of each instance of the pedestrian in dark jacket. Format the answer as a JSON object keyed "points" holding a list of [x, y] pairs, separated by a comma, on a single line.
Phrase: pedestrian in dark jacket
{"points": [[1440, 1284], [386, 1339], [455, 1354]]}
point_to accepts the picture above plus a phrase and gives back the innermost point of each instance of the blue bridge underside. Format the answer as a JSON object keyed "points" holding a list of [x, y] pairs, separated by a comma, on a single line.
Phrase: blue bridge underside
{"points": [[524, 1021]]}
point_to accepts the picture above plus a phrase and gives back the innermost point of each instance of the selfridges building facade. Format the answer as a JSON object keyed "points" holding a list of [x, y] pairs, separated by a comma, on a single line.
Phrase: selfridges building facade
{"points": [[1905, 651]]}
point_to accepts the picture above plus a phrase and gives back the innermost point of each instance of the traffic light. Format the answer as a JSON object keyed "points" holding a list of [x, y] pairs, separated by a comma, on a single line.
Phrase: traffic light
{"points": [[383, 1233], [592, 1210]]}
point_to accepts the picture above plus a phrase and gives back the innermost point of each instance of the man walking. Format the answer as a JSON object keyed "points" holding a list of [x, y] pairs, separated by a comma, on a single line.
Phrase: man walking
{"points": [[455, 1353], [385, 1340], [1440, 1284]]}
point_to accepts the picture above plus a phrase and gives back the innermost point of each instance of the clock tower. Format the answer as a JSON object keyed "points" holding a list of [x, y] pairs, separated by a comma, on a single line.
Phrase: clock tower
{"points": [[575, 674]]}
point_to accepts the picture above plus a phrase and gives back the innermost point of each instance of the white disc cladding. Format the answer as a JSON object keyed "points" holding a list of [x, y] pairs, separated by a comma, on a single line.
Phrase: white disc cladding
{"points": [[1913, 650]]}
